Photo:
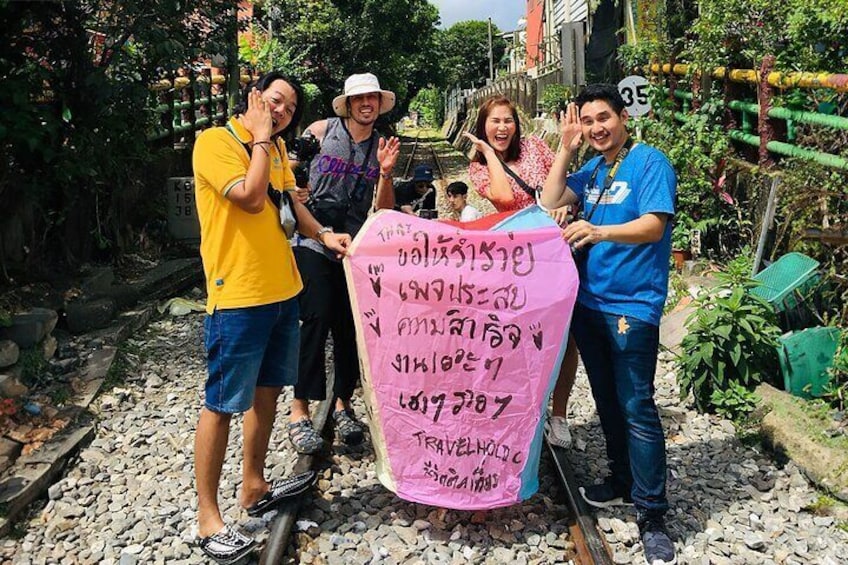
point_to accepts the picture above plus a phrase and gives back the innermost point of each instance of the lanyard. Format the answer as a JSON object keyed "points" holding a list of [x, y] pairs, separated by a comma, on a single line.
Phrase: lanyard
{"points": [[619, 158]]}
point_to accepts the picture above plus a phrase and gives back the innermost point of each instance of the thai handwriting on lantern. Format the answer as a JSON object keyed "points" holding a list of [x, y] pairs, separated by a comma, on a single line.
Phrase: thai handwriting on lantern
{"points": [[389, 232], [459, 291], [494, 333], [459, 252], [467, 446], [479, 481], [435, 363], [462, 401]]}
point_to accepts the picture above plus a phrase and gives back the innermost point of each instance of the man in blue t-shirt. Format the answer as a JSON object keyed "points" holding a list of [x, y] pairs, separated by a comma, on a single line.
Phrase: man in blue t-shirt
{"points": [[622, 244]]}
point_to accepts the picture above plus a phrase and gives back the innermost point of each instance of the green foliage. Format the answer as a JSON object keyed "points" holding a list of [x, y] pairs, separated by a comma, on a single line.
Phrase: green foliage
{"points": [[732, 335], [60, 394], [33, 367], [74, 111], [127, 358], [634, 56], [430, 106], [812, 196], [699, 150], [556, 97], [464, 53], [677, 289], [735, 402], [822, 506], [266, 54], [836, 392], [801, 34], [394, 39], [263, 54]]}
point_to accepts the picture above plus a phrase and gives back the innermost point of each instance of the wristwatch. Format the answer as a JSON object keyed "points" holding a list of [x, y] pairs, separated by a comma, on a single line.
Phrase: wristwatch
{"points": [[322, 231]]}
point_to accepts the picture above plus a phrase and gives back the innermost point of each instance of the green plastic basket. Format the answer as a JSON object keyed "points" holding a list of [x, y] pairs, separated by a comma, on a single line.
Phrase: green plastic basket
{"points": [[805, 357], [785, 282]]}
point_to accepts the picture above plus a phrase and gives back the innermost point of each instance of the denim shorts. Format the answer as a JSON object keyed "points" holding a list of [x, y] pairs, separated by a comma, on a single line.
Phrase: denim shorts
{"points": [[247, 348]]}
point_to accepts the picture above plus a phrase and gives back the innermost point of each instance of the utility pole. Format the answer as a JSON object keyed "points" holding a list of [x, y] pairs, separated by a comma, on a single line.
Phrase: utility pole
{"points": [[491, 55]]}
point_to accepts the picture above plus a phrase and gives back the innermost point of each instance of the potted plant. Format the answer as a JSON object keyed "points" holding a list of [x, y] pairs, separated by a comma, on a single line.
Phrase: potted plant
{"points": [[681, 240], [732, 338]]}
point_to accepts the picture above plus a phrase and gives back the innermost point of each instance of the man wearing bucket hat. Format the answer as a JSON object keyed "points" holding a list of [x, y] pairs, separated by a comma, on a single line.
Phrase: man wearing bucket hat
{"points": [[351, 175]]}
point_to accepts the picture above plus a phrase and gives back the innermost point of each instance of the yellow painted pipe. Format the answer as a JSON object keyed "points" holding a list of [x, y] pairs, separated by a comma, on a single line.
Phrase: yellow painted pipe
{"points": [[182, 82], [833, 81]]}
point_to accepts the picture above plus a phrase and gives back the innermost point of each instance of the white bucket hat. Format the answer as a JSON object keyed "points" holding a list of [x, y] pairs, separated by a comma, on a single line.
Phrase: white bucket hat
{"points": [[362, 84]]}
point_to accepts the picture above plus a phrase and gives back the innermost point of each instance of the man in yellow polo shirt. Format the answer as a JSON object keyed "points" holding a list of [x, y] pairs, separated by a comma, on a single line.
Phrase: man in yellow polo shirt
{"points": [[251, 328]]}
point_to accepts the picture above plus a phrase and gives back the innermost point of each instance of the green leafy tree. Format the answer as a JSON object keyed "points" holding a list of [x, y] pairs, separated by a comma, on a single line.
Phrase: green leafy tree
{"points": [[429, 103], [394, 39], [464, 51], [74, 114], [801, 34]]}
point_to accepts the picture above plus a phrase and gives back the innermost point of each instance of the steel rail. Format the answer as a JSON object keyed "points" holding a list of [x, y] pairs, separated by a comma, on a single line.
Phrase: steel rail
{"points": [[437, 160], [281, 527], [411, 157], [590, 546]]}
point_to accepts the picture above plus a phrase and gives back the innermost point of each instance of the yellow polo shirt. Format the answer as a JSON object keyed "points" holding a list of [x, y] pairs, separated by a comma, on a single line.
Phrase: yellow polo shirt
{"points": [[247, 259]]}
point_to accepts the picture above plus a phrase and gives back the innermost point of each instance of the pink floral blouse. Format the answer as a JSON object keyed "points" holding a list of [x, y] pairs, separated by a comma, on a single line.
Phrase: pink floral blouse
{"points": [[533, 164]]}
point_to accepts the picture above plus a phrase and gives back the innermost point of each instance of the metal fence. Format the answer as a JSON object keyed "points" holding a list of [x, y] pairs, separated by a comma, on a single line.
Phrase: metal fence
{"points": [[753, 118], [188, 103]]}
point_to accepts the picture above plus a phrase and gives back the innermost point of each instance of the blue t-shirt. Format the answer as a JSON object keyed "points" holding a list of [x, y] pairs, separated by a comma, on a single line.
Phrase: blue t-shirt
{"points": [[621, 278]]}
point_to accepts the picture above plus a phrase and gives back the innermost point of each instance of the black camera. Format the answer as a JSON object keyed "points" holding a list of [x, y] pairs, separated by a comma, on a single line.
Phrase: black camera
{"points": [[304, 148], [301, 175]]}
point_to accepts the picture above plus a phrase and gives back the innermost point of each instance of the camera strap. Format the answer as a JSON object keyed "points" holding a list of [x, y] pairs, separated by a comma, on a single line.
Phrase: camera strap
{"points": [[619, 158], [360, 178], [278, 197]]}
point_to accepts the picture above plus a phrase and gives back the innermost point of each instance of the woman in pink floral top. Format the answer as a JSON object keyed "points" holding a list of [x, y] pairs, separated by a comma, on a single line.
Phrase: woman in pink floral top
{"points": [[535, 158], [498, 134]]}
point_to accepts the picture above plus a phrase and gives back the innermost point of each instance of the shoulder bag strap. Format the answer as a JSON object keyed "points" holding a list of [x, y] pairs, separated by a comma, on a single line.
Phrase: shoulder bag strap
{"points": [[524, 186]]}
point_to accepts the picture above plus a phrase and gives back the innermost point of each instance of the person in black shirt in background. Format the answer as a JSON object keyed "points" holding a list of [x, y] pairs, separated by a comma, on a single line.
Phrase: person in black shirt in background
{"points": [[417, 196]]}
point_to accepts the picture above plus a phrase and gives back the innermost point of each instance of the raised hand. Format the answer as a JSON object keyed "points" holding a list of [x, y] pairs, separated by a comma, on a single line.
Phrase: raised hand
{"points": [[480, 145], [257, 119], [570, 127], [387, 153]]}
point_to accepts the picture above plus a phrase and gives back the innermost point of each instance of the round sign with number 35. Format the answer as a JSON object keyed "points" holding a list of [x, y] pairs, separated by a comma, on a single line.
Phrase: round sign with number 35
{"points": [[634, 90]]}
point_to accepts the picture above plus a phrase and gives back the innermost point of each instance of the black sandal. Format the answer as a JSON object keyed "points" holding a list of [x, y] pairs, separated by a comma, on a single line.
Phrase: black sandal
{"points": [[228, 546], [349, 429], [282, 489], [304, 438]]}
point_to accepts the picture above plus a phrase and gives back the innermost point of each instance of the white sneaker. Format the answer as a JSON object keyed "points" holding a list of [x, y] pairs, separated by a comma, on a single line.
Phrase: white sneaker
{"points": [[557, 432]]}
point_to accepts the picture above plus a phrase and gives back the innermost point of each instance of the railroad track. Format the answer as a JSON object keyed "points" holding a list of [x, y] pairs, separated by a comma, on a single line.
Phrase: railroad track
{"points": [[590, 546], [423, 152], [283, 524]]}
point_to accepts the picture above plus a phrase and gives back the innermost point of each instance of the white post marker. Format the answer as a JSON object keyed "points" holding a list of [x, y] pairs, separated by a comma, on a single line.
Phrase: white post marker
{"points": [[634, 90]]}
